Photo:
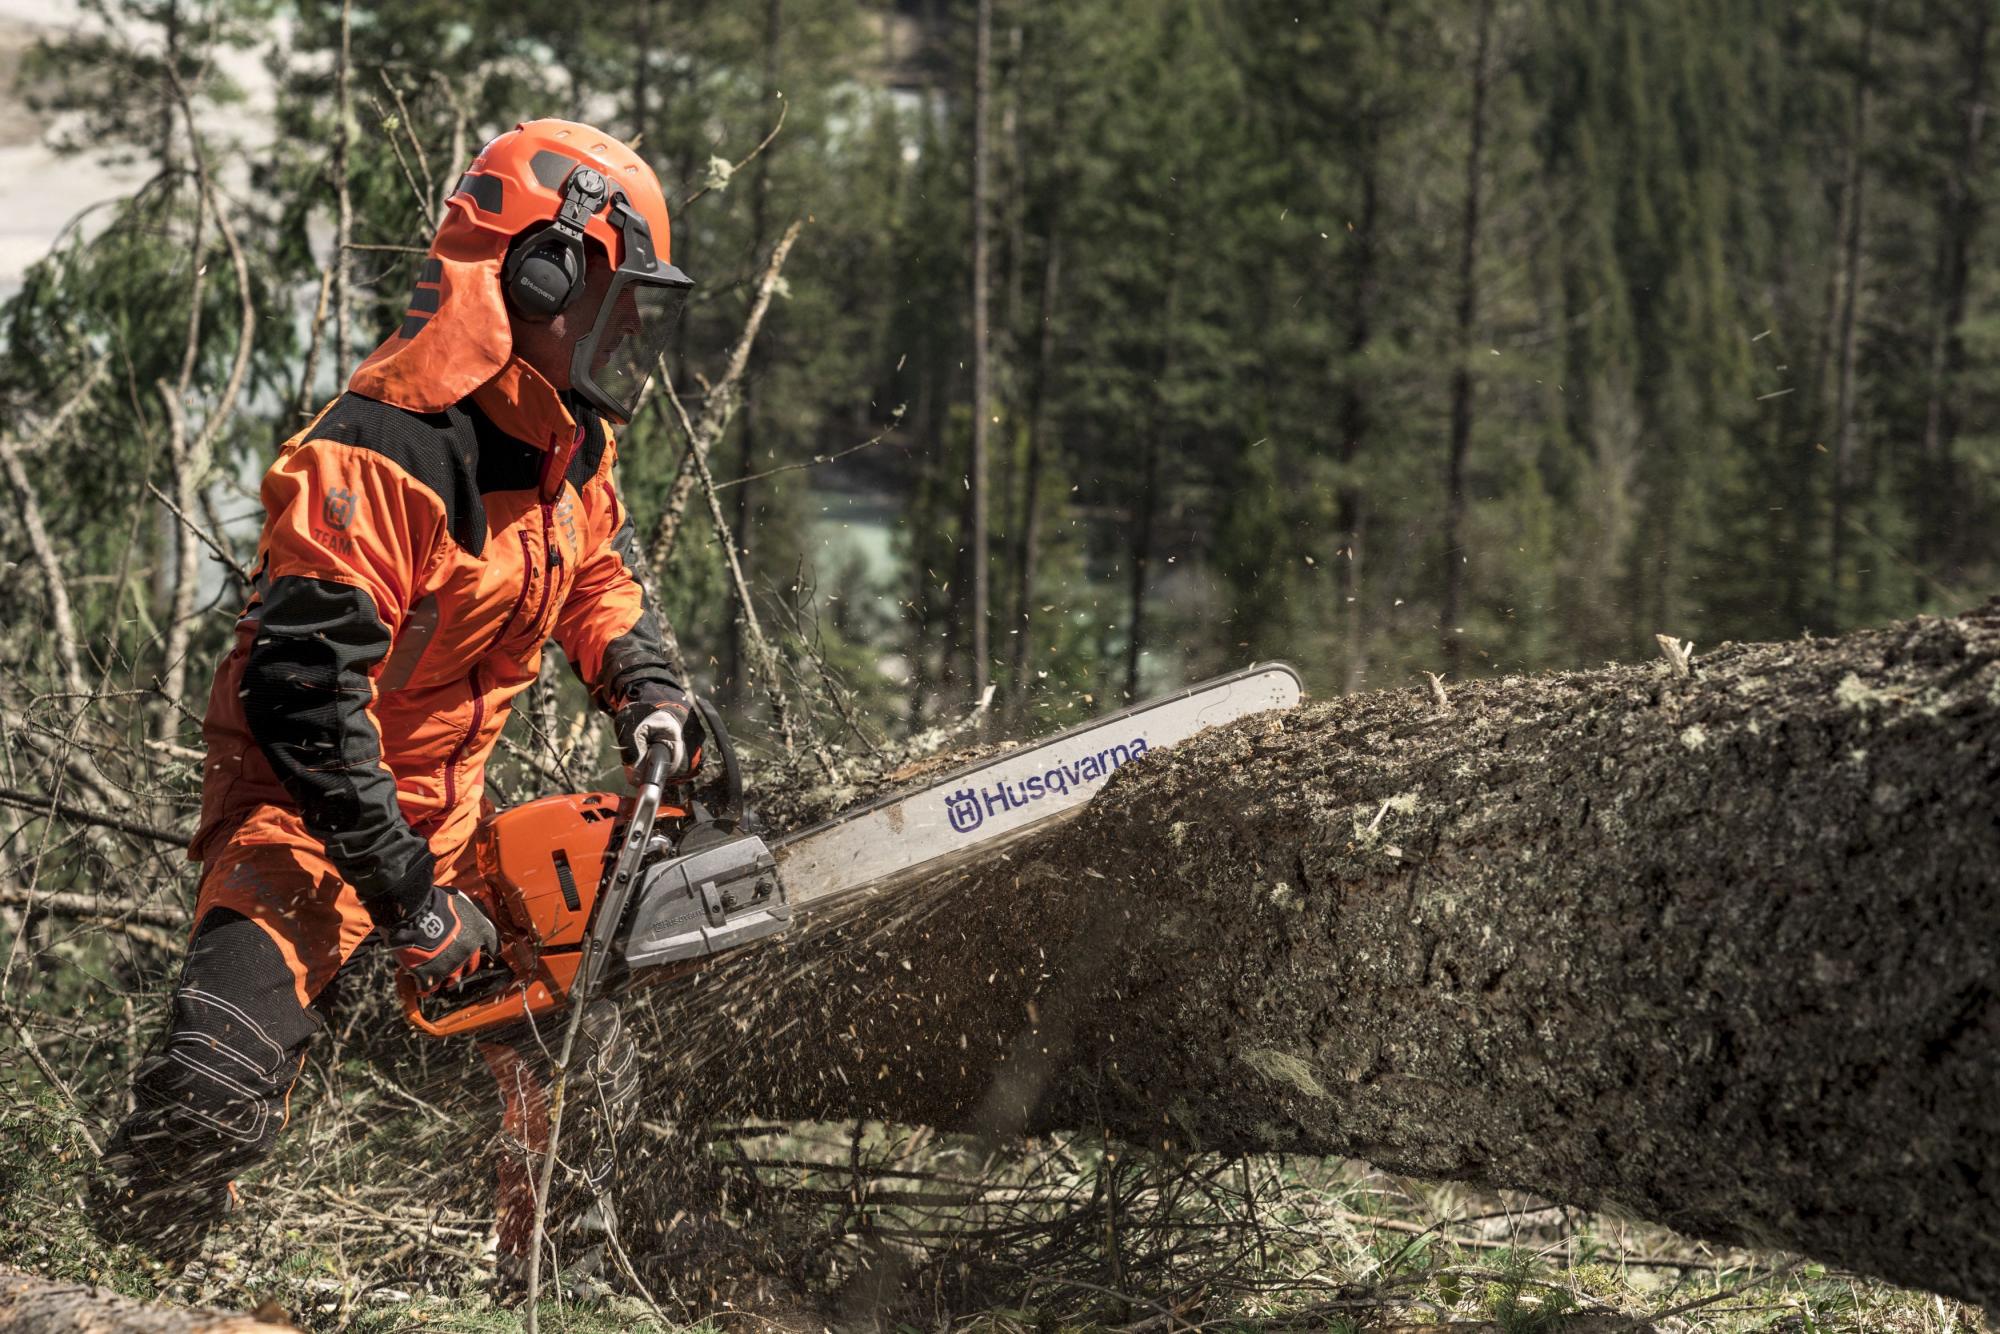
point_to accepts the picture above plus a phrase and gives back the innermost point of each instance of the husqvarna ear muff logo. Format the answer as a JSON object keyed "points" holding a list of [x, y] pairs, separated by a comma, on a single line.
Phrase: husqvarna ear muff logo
{"points": [[963, 809]]}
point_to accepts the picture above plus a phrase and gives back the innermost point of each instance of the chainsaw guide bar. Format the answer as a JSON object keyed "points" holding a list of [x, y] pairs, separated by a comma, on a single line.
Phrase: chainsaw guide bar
{"points": [[970, 812], [666, 903]]}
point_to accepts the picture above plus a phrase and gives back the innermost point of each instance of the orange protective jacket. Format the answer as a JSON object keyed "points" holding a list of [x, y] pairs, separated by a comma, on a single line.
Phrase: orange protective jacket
{"points": [[412, 566]]}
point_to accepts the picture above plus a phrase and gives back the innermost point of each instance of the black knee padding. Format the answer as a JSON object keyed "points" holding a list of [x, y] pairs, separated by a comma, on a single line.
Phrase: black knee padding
{"points": [[211, 1100]]}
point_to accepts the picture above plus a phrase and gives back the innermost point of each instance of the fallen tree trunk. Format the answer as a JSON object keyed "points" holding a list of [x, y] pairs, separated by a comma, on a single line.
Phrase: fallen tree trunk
{"points": [[30, 1305], [1719, 951]]}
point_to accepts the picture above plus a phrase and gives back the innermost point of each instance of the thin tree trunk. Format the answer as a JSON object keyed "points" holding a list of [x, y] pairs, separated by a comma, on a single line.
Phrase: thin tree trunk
{"points": [[170, 45], [1850, 300], [1016, 197], [1959, 210], [343, 230], [1350, 502], [1461, 377], [982, 383], [190, 457], [1717, 951], [747, 442], [1142, 561], [1145, 518], [1027, 555], [931, 646], [642, 74]]}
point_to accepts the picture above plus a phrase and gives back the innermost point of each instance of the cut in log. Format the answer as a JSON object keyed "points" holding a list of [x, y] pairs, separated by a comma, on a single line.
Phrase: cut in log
{"points": [[1719, 952], [30, 1305]]}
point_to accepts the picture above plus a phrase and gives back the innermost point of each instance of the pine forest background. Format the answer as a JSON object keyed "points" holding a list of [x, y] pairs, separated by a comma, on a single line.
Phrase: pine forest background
{"points": [[1472, 336], [1386, 337]]}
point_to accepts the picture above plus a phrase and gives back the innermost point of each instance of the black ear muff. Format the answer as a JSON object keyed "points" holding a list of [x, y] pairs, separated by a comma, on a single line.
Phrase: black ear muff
{"points": [[545, 270], [543, 273]]}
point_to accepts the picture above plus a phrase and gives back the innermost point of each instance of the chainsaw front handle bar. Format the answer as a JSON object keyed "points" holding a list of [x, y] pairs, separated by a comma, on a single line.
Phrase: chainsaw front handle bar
{"points": [[716, 736], [659, 764]]}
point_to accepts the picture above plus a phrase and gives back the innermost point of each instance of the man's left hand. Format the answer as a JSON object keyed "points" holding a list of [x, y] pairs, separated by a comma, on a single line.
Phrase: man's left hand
{"points": [[660, 718]]}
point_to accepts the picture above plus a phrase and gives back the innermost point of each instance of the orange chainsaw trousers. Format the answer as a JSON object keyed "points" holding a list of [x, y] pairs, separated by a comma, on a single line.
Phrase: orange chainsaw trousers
{"points": [[274, 926]]}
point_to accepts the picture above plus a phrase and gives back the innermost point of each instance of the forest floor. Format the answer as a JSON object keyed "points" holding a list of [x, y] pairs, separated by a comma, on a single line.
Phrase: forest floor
{"points": [[375, 1214], [891, 1228]]}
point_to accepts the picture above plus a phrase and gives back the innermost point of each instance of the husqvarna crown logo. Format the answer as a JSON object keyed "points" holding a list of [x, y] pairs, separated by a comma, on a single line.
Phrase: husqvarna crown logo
{"points": [[962, 808], [338, 508], [968, 807]]}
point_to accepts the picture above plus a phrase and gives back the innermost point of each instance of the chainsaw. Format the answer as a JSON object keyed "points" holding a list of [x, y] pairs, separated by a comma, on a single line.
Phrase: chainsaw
{"points": [[593, 893]]}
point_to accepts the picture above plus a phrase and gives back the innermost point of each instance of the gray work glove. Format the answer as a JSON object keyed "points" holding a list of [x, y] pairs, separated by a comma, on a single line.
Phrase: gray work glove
{"points": [[660, 716]]}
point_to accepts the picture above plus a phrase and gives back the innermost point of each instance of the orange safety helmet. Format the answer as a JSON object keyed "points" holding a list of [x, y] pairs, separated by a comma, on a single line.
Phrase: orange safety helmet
{"points": [[513, 237]]}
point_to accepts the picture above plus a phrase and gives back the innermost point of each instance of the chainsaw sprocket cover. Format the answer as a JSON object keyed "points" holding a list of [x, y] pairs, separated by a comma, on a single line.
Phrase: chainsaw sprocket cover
{"points": [[705, 902]]}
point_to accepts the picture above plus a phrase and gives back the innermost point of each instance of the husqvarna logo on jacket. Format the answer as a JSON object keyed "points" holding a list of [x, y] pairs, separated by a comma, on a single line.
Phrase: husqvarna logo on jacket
{"points": [[338, 508]]}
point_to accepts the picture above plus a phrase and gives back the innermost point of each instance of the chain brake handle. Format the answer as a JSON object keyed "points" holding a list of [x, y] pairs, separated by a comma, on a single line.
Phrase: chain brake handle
{"points": [[715, 736]]}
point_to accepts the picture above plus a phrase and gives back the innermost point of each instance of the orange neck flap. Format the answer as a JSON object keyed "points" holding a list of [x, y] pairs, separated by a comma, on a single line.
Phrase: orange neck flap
{"points": [[455, 336]]}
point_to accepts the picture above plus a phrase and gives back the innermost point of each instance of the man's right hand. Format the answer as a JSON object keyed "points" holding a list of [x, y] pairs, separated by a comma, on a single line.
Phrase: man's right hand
{"points": [[443, 941]]}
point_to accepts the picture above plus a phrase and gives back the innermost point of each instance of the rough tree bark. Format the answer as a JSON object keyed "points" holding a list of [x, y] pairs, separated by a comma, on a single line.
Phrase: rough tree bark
{"points": [[1719, 951]]}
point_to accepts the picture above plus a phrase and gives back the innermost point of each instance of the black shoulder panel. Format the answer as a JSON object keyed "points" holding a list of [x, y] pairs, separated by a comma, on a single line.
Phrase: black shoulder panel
{"points": [[505, 464], [583, 464], [439, 449]]}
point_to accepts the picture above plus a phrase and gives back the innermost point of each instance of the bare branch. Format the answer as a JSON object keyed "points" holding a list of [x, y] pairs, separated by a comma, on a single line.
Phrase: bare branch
{"points": [[189, 460], [343, 227], [459, 116], [748, 158], [1438, 697], [395, 146], [416, 148], [92, 908], [41, 805], [55, 1081], [720, 407], [817, 460], [1678, 653], [62, 618], [302, 402], [222, 554], [761, 650]]}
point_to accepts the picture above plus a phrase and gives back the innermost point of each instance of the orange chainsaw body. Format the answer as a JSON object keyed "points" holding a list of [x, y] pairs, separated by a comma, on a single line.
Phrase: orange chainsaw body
{"points": [[543, 863]]}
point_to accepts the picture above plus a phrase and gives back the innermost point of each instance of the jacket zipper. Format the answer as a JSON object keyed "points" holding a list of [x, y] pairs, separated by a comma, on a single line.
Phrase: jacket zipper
{"points": [[520, 598], [554, 561], [464, 742]]}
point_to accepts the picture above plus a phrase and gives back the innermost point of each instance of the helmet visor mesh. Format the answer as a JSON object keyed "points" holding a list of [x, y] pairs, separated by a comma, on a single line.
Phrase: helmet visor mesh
{"points": [[633, 327]]}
